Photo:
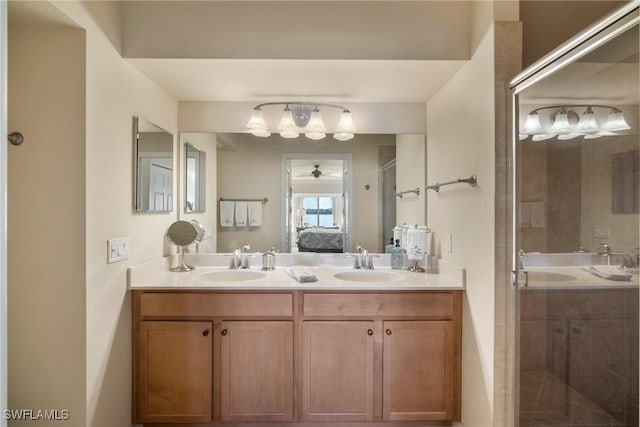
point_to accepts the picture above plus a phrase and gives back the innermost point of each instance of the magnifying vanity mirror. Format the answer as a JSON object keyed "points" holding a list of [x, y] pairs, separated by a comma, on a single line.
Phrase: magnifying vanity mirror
{"points": [[153, 167], [194, 178]]}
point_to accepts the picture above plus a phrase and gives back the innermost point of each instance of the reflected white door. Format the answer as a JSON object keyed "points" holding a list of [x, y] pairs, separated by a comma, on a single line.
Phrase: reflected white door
{"points": [[160, 187]]}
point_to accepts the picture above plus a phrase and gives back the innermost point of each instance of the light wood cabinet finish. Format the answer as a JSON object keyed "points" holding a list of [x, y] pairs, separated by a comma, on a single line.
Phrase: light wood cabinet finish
{"points": [[296, 357], [370, 304], [174, 365], [337, 364], [418, 371], [257, 371]]}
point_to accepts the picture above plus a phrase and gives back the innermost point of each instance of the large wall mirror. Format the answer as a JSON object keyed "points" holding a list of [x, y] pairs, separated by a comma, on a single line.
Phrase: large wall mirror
{"points": [[579, 153], [337, 193], [153, 167]]}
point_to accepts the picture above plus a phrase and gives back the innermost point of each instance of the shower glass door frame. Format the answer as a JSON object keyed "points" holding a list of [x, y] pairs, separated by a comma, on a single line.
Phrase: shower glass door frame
{"points": [[590, 39]]}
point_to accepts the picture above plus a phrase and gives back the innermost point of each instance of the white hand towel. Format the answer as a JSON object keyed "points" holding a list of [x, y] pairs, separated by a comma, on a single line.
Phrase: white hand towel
{"points": [[302, 275], [255, 214], [609, 272], [416, 243], [241, 214], [226, 213]]}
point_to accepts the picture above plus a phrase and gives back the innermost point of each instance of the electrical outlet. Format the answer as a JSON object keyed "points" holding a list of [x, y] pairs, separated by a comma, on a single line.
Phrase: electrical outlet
{"points": [[448, 242], [208, 231], [118, 249]]}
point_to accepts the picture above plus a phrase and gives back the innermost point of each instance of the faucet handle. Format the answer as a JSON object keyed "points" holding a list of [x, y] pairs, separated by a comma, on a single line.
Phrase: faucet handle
{"points": [[356, 261], [370, 262]]}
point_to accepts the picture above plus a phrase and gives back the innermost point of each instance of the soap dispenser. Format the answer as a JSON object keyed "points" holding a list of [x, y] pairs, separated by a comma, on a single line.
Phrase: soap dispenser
{"points": [[269, 260], [397, 256]]}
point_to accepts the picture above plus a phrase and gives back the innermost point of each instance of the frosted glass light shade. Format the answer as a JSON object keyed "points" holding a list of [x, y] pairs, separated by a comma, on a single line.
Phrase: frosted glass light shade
{"points": [[287, 126], [561, 123], [532, 124], [257, 125], [542, 136], [615, 122], [346, 128], [315, 129], [588, 122]]}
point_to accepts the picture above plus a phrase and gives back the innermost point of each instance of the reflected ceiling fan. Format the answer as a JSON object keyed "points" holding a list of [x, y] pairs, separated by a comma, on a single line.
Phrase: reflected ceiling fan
{"points": [[317, 173]]}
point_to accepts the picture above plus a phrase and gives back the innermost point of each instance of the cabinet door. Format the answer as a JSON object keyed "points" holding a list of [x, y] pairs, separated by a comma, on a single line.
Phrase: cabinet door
{"points": [[257, 371], [174, 372], [337, 364], [418, 370]]}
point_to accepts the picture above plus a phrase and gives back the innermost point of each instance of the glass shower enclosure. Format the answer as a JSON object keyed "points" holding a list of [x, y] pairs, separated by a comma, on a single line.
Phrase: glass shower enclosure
{"points": [[576, 231]]}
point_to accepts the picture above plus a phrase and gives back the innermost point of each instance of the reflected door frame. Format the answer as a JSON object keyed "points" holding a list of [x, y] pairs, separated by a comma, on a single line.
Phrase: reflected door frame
{"points": [[286, 232]]}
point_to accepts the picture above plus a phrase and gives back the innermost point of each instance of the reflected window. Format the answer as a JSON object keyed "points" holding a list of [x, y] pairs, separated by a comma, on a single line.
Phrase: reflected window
{"points": [[319, 211]]}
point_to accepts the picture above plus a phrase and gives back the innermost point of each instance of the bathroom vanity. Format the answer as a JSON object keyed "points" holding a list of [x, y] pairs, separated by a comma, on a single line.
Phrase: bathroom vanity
{"points": [[272, 350]]}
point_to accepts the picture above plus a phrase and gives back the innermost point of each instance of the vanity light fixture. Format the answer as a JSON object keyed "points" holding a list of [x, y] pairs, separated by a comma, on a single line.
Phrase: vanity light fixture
{"points": [[302, 117], [563, 122]]}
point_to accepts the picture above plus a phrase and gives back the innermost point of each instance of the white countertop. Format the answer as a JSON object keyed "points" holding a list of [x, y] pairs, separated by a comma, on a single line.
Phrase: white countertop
{"points": [[155, 275], [573, 277]]}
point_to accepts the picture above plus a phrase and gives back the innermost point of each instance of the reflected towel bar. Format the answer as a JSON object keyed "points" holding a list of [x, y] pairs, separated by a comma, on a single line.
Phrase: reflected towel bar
{"points": [[264, 201], [402, 193], [472, 181]]}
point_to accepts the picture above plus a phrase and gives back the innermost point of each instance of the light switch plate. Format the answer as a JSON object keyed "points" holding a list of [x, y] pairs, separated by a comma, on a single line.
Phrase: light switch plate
{"points": [[118, 249], [448, 242]]}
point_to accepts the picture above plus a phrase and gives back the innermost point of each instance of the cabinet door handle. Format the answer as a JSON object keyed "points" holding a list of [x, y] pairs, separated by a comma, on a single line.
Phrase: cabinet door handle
{"points": [[369, 332], [205, 333], [388, 332], [224, 332]]}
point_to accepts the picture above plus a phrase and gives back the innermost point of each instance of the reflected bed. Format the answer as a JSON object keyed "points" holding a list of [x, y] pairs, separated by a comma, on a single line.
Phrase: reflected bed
{"points": [[318, 239]]}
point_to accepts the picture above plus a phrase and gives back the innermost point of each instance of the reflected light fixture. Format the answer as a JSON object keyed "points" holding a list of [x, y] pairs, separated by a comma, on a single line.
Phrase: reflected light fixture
{"points": [[302, 117], [563, 122]]}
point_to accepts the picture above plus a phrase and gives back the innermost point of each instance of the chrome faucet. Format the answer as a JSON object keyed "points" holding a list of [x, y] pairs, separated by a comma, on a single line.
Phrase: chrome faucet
{"points": [[605, 251], [521, 255], [244, 258], [239, 258], [363, 259]]}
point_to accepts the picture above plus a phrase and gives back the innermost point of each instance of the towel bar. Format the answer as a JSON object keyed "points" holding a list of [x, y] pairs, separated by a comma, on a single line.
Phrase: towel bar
{"points": [[264, 201], [472, 181]]}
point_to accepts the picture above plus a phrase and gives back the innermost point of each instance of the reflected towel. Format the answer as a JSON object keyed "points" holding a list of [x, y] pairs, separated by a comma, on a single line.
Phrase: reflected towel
{"points": [[302, 275], [255, 214], [241, 214], [609, 272], [226, 213], [416, 243]]}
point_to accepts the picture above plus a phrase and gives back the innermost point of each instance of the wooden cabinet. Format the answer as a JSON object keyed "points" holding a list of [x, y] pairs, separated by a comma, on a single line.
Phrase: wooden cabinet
{"points": [[256, 370], [418, 370], [337, 371], [174, 372], [218, 357]]}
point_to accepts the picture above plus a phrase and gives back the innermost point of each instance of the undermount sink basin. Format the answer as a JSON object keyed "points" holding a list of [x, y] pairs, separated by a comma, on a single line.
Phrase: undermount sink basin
{"points": [[543, 276], [368, 276], [232, 276]]}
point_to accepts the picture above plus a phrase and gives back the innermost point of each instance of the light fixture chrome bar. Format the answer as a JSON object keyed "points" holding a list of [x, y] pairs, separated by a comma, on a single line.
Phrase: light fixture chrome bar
{"points": [[402, 193], [566, 106], [303, 104], [472, 181]]}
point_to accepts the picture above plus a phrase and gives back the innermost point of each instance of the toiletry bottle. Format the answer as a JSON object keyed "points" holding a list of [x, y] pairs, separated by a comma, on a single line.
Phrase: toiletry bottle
{"points": [[397, 256], [388, 248]]}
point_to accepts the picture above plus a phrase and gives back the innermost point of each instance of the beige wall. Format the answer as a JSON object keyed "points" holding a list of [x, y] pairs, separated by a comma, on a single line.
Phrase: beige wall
{"points": [[208, 143], [254, 171], [410, 174], [461, 142], [46, 217], [115, 92]]}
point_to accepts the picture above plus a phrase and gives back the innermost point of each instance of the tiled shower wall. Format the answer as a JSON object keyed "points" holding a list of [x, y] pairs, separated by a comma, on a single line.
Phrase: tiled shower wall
{"points": [[579, 357]]}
